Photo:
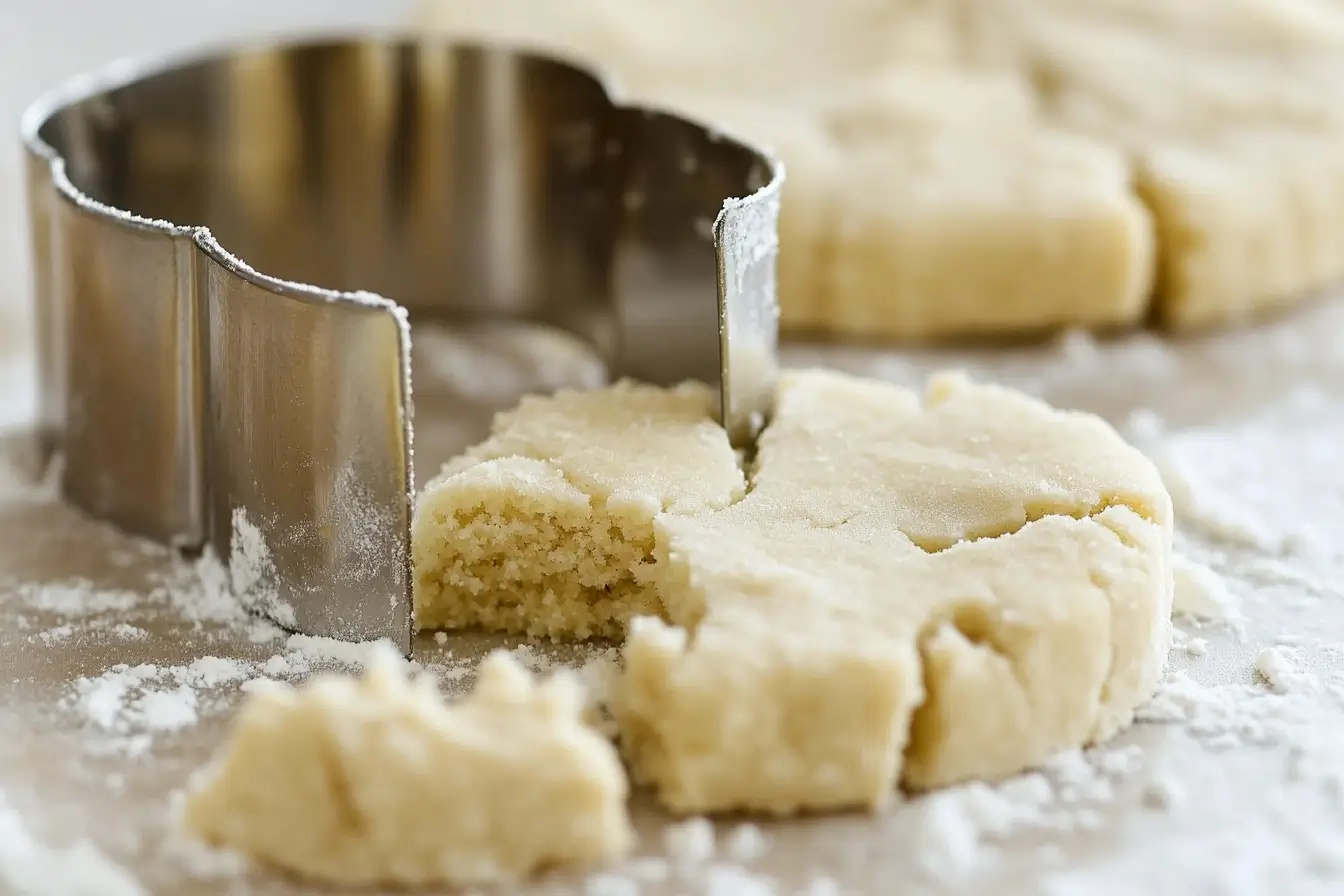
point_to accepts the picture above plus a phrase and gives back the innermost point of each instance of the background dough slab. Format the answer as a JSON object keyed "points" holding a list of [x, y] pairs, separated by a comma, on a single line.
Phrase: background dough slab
{"points": [[1219, 111]]}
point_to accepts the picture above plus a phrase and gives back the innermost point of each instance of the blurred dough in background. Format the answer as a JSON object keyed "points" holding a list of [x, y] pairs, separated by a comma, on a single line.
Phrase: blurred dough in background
{"points": [[1000, 167]]}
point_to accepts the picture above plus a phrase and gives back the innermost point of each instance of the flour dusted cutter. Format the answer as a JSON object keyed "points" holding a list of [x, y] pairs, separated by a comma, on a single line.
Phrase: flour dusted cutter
{"points": [[229, 251]]}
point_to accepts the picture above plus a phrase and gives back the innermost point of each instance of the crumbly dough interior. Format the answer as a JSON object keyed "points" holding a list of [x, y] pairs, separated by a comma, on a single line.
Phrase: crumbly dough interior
{"points": [[377, 781], [914, 589], [546, 529]]}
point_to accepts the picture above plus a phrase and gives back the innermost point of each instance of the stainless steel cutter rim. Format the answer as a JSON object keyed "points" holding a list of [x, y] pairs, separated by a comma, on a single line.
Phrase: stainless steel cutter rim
{"points": [[127, 72]]}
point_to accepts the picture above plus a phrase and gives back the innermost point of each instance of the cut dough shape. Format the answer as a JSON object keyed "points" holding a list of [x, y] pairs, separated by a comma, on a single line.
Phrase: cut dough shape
{"points": [[378, 782], [546, 528], [981, 169], [916, 591]]}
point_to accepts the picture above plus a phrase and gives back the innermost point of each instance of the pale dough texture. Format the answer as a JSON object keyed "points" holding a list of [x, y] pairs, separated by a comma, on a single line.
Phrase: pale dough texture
{"points": [[546, 528], [963, 167], [378, 782], [913, 590]]}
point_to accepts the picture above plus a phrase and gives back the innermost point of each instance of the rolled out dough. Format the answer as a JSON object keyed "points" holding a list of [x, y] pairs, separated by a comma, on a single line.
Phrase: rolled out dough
{"points": [[913, 589], [992, 168], [378, 782]]}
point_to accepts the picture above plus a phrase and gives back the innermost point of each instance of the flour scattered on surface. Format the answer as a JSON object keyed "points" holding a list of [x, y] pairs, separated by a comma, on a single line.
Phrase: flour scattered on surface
{"points": [[689, 842], [1276, 666], [1197, 647], [132, 704], [252, 571], [31, 868], [1225, 716], [729, 880], [122, 631], [958, 829], [531, 658], [747, 843]]}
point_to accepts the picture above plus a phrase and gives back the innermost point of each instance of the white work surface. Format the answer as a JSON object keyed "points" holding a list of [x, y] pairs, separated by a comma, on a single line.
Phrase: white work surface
{"points": [[1235, 784]]}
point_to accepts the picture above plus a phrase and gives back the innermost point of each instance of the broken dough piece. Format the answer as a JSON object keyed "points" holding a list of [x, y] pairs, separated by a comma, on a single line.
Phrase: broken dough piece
{"points": [[915, 590], [546, 528], [377, 781]]}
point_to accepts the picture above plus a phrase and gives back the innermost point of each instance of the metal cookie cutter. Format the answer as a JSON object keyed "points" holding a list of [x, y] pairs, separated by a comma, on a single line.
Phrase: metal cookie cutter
{"points": [[408, 180]]}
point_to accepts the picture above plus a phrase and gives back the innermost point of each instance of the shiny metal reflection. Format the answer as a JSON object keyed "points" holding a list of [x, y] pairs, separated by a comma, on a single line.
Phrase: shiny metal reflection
{"points": [[407, 180]]}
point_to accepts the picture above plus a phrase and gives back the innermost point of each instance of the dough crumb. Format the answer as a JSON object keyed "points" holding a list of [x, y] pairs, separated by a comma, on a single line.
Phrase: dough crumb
{"points": [[378, 781]]}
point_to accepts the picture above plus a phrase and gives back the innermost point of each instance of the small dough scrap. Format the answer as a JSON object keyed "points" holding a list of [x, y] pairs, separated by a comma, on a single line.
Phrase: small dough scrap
{"points": [[377, 782], [916, 591], [546, 529]]}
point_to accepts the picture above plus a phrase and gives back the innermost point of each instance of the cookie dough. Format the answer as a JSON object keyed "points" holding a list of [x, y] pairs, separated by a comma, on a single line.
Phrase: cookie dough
{"points": [[546, 528], [901, 224], [1000, 168], [914, 590], [378, 782]]}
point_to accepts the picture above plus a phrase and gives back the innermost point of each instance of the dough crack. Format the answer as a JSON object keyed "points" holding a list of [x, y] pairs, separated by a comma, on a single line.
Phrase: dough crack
{"points": [[1035, 514]]}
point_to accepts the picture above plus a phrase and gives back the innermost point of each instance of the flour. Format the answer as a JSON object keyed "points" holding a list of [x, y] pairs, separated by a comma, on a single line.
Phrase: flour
{"points": [[304, 654], [122, 631], [1277, 667], [1226, 716], [130, 705], [747, 843], [31, 868], [252, 573], [958, 830], [77, 599], [1223, 481], [689, 842]]}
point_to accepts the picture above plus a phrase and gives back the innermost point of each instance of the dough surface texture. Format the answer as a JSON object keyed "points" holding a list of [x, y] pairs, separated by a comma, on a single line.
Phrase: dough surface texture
{"points": [[377, 781], [969, 168], [913, 589], [546, 528]]}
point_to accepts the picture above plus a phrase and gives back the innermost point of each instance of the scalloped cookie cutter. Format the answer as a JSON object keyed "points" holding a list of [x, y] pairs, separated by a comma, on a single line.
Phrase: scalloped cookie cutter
{"points": [[186, 389]]}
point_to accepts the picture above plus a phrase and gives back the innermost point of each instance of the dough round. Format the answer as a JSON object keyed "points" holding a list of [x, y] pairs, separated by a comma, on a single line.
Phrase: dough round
{"points": [[1000, 168], [913, 589]]}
